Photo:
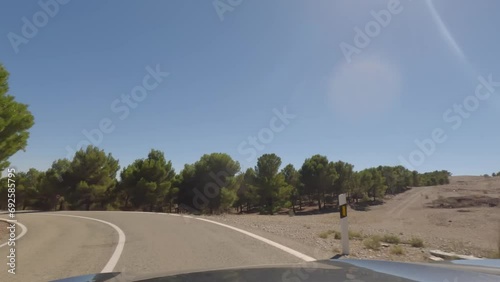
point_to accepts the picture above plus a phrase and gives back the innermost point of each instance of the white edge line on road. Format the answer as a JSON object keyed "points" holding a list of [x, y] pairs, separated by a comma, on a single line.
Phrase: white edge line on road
{"points": [[23, 228], [260, 238], [272, 243], [121, 241], [119, 247]]}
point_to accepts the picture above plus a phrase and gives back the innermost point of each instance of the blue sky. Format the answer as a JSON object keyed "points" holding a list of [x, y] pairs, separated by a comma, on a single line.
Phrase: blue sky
{"points": [[231, 70]]}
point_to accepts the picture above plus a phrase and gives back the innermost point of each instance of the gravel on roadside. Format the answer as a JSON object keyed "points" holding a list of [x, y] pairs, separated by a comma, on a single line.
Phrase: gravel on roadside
{"points": [[311, 230]]}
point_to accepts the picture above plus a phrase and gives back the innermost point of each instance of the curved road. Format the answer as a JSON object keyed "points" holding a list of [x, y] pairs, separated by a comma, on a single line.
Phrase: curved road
{"points": [[58, 246]]}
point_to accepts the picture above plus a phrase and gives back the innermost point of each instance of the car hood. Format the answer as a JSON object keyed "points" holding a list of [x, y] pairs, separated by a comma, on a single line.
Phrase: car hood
{"points": [[327, 270]]}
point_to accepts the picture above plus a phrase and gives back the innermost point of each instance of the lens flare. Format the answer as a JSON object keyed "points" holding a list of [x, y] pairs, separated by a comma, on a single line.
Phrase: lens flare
{"points": [[448, 37]]}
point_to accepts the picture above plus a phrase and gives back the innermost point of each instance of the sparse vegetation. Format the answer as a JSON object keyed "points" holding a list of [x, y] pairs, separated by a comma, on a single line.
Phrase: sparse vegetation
{"points": [[391, 239], [497, 255], [325, 234], [337, 235], [493, 255], [397, 250], [416, 242], [355, 235], [465, 201], [372, 242]]}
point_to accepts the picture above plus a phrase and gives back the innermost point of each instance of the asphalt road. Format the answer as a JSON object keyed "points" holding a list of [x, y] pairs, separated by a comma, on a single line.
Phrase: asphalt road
{"points": [[57, 246]]}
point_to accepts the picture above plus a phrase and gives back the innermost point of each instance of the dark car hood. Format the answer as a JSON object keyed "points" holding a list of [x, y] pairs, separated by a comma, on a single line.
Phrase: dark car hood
{"points": [[328, 270]]}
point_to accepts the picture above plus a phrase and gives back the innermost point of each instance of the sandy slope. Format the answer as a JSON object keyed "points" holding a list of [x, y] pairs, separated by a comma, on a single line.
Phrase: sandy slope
{"points": [[466, 230]]}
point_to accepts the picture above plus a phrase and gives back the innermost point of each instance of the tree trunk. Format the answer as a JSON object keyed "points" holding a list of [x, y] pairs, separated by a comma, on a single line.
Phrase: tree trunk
{"points": [[126, 202]]}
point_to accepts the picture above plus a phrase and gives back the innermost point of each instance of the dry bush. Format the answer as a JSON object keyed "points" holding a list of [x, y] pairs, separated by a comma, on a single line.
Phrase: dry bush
{"points": [[353, 235], [372, 243], [416, 242], [327, 233], [391, 239], [397, 250]]}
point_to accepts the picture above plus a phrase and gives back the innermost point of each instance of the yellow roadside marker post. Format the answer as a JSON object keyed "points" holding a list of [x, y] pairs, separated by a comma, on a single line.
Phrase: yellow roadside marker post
{"points": [[344, 227]]}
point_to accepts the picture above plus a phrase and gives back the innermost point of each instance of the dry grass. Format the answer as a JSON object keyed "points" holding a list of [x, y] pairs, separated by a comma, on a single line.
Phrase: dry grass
{"points": [[405, 215], [355, 235], [337, 235], [391, 239], [397, 250], [325, 234], [493, 255], [372, 243], [496, 254], [416, 242], [465, 202], [498, 242]]}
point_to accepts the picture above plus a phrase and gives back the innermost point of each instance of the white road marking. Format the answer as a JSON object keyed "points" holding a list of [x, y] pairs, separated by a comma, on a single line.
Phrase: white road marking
{"points": [[23, 228], [121, 241], [119, 247], [260, 238]]}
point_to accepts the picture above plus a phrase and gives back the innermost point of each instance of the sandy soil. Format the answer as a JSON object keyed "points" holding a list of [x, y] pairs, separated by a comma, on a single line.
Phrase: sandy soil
{"points": [[469, 230]]}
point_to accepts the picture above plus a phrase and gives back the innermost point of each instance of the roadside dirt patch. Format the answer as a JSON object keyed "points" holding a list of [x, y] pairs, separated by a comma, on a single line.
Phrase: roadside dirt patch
{"points": [[465, 202], [468, 230]]}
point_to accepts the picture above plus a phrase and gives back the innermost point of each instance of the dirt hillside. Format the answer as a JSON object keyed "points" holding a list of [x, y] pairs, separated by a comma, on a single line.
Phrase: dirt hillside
{"points": [[462, 217]]}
